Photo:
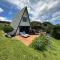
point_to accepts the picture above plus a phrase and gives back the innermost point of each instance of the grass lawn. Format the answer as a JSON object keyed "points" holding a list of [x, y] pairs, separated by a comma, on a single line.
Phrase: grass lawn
{"points": [[12, 49]]}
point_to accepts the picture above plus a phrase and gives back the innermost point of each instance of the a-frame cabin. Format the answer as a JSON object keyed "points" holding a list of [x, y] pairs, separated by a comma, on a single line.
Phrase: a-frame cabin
{"points": [[21, 21]]}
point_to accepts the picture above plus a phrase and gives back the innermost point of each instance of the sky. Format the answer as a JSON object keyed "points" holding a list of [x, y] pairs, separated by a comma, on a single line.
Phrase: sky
{"points": [[39, 10]]}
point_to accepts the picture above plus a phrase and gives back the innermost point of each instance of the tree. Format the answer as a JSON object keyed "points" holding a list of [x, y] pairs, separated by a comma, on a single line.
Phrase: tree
{"points": [[7, 28], [47, 27], [36, 25], [56, 32]]}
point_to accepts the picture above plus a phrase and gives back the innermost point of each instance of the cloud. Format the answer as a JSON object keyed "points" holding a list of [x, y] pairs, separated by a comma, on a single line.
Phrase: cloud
{"points": [[55, 21], [56, 14], [44, 9], [41, 10], [4, 19], [19, 3], [1, 10]]}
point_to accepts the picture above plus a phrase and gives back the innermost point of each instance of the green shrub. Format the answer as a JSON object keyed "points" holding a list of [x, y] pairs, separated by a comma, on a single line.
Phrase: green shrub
{"points": [[56, 32], [40, 43], [7, 28], [1, 26]]}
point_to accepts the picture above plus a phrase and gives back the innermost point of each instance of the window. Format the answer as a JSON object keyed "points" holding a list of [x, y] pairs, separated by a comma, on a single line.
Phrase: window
{"points": [[24, 19]]}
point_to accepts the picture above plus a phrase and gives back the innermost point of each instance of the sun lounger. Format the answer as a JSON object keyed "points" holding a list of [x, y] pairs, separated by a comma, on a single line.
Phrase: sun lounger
{"points": [[24, 34]]}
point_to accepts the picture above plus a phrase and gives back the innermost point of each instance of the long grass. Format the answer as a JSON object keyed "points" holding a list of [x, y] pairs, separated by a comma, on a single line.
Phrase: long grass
{"points": [[12, 49]]}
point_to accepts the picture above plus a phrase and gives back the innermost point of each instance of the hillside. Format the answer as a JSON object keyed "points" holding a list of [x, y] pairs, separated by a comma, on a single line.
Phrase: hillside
{"points": [[12, 49], [8, 22]]}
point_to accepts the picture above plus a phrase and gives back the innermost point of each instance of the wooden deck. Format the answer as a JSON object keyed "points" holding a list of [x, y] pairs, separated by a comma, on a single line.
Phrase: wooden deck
{"points": [[27, 41]]}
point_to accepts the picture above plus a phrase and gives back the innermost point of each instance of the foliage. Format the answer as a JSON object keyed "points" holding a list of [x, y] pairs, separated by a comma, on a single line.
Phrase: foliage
{"points": [[56, 32], [7, 28], [47, 27], [36, 25], [2, 25], [12, 49], [40, 43]]}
